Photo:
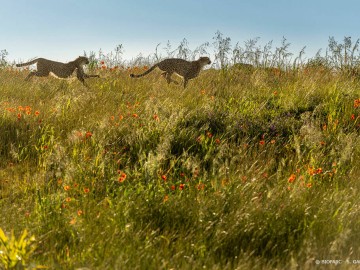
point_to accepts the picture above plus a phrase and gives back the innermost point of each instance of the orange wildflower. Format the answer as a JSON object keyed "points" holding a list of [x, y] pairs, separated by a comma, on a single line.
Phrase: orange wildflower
{"points": [[262, 142], [353, 117], [173, 187], [181, 186], [66, 188], [163, 177], [86, 190], [217, 141], [79, 212], [88, 134], [79, 134], [122, 177], [156, 117], [72, 221], [356, 103], [200, 186], [68, 199], [311, 171], [292, 178], [10, 109], [135, 115], [37, 113]]}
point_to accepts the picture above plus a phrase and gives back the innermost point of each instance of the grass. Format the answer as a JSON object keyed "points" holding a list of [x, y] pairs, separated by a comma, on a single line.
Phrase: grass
{"points": [[245, 169]]}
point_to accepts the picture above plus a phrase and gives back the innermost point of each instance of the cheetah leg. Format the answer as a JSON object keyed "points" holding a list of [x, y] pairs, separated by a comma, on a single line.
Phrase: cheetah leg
{"points": [[81, 75], [168, 77], [30, 75], [186, 80], [36, 73], [176, 82], [82, 80]]}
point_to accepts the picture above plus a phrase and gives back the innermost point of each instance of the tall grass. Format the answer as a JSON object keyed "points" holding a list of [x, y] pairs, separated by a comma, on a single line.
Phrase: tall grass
{"points": [[248, 168]]}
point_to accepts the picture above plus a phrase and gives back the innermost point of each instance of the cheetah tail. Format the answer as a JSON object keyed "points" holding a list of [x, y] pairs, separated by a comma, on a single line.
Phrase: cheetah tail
{"points": [[143, 74], [28, 63]]}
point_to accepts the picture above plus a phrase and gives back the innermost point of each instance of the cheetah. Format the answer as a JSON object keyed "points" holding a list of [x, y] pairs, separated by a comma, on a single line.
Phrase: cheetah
{"points": [[46, 67], [187, 70]]}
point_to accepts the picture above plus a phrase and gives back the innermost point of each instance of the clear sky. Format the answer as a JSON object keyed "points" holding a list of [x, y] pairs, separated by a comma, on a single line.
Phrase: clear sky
{"points": [[63, 29]]}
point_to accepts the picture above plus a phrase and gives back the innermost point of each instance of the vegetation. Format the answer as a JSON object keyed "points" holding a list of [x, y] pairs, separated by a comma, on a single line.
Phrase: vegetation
{"points": [[248, 168]]}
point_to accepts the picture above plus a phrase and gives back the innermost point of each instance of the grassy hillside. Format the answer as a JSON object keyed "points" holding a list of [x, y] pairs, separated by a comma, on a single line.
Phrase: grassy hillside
{"points": [[246, 168]]}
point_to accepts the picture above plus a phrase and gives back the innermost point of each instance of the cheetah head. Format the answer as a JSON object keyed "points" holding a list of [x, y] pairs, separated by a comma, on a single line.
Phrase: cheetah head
{"points": [[82, 60], [204, 61]]}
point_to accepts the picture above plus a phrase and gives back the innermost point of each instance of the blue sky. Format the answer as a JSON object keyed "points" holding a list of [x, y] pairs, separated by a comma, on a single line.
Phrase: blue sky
{"points": [[62, 29]]}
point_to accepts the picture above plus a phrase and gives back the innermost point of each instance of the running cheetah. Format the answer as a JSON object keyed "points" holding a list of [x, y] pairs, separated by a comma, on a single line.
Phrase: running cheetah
{"points": [[187, 70], [46, 67]]}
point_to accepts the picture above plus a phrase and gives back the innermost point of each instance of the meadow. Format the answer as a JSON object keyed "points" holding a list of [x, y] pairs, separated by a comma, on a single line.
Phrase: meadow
{"points": [[247, 168]]}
